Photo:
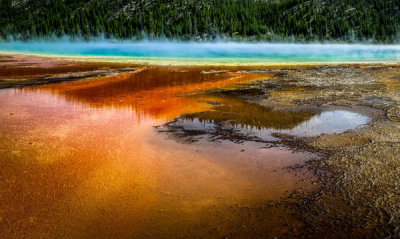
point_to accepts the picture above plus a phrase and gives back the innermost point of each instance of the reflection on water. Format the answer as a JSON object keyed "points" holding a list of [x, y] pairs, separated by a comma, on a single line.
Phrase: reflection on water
{"points": [[263, 122], [242, 114], [152, 91], [82, 160], [329, 122]]}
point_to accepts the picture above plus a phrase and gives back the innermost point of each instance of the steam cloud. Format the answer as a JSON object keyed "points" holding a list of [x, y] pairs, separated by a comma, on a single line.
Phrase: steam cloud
{"points": [[251, 52]]}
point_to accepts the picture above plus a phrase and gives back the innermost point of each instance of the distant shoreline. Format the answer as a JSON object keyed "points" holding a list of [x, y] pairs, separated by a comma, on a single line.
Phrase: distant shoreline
{"points": [[184, 61]]}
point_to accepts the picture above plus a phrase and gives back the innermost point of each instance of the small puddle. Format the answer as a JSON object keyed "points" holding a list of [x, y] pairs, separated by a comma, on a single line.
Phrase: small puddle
{"points": [[261, 123], [329, 122]]}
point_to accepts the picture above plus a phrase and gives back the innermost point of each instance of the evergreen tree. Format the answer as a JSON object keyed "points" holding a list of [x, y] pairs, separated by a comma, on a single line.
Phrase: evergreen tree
{"points": [[302, 20]]}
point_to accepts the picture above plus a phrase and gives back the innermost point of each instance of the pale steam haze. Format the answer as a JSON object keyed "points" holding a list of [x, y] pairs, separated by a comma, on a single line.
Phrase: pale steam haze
{"points": [[213, 51]]}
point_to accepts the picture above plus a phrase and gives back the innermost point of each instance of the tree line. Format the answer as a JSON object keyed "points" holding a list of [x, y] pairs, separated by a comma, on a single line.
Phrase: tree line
{"points": [[272, 20]]}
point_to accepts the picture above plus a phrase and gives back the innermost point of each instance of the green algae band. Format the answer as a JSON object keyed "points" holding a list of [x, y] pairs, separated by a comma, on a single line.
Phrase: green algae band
{"points": [[219, 52]]}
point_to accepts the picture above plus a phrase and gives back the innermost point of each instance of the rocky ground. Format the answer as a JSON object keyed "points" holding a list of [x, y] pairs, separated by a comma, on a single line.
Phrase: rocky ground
{"points": [[360, 193]]}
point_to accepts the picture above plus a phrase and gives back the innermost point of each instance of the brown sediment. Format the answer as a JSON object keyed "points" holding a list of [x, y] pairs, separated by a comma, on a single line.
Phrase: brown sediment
{"points": [[22, 71], [22, 65]]}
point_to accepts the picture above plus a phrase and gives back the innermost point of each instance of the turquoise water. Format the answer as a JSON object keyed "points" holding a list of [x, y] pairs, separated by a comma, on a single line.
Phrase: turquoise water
{"points": [[215, 52]]}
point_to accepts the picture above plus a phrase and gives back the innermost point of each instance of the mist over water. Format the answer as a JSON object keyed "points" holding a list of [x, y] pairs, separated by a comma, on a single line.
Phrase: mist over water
{"points": [[215, 52]]}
